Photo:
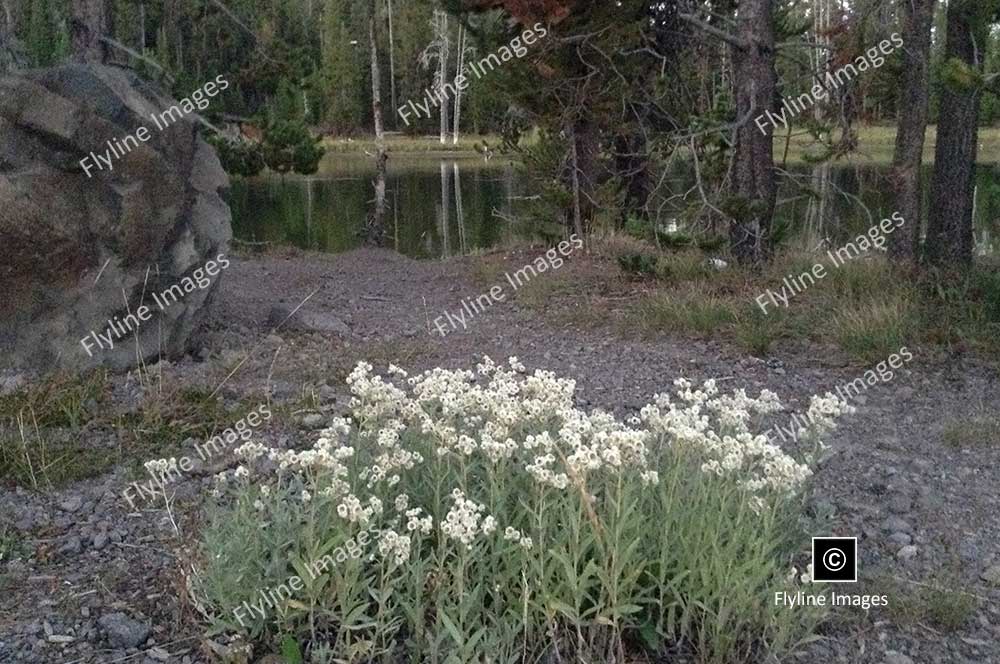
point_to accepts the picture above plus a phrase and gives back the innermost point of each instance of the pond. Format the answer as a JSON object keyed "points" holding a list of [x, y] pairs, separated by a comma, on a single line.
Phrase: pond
{"points": [[436, 207], [440, 206]]}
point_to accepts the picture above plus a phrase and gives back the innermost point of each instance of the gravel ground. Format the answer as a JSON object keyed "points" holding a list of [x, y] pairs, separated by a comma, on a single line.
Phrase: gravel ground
{"points": [[96, 581]]}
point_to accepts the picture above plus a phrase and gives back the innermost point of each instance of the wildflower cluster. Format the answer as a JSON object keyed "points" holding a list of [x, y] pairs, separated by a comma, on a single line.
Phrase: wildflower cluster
{"points": [[480, 483]]}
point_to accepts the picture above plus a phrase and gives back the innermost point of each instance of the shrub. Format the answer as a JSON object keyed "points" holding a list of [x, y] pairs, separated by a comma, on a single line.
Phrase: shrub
{"points": [[637, 264], [458, 513]]}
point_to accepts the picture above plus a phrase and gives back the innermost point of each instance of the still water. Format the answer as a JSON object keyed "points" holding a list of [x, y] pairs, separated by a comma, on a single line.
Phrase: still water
{"points": [[439, 207], [435, 207]]}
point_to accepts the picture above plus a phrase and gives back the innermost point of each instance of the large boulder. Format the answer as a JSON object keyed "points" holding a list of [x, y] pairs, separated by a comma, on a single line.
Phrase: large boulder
{"points": [[83, 248]]}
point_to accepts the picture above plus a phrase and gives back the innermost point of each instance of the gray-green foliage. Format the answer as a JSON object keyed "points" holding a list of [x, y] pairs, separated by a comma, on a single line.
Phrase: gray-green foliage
{"points": [[618, 561]]}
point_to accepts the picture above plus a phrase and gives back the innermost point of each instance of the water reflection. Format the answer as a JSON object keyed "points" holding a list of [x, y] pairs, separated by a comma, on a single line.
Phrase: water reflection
{"points": [[333, 211]]}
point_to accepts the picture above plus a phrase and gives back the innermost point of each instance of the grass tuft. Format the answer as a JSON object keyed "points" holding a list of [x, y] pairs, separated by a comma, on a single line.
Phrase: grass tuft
{"points": [[36, 458], [61, 401], [685, 312], [872, 331], [942, 604]]}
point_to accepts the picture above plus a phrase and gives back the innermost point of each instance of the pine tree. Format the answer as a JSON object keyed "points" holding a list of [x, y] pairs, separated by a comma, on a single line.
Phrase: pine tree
{"points": [[41, 40]]}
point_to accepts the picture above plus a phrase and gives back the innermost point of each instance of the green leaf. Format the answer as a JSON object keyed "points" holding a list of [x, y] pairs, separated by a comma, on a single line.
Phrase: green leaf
{"points": [[649, 636], [453, 630], [290, 650]]}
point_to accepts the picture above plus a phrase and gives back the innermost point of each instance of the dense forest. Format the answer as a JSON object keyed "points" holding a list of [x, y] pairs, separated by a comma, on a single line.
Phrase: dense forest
{"points": [[309, 58]]}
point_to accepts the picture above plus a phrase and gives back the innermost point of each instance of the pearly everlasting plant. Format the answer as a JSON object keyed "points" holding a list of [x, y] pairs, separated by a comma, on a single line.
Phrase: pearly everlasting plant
{"points": [[506, 512]]}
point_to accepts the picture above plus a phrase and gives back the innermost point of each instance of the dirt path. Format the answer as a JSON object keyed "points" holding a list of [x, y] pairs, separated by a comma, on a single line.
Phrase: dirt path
{"points": [[926, 511]]}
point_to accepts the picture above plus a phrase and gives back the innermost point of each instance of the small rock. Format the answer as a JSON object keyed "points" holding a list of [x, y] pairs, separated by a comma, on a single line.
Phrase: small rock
{"points": [[12, 384], [931, 502], [123, 632], [327, 394], [100, 540], [308, 321], [72, 545], [992, 575], [902, 539], [893, 657], [313, 421], [72, 504], [968, 551], [900, 503], [896, 525], [907, 552]]}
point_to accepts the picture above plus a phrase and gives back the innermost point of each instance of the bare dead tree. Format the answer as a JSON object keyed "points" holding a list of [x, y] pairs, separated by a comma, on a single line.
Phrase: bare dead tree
{"points": [[381, 157], [442, 76], [459, 64]]}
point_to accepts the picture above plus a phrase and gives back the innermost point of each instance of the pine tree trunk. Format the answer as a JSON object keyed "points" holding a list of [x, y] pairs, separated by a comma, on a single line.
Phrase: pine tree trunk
{"points": [[917, 19], [949, 225], [88, 24], [10, 52], [753, 170], [632, 163], [575, 178], [584, 145]]}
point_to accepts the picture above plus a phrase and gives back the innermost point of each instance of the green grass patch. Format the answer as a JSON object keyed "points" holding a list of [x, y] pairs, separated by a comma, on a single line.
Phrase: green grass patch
{"points": [[877, 144], [10, 543], [942, 604], [872, 331], [35, 459], [869, 307], [51, 431], [61, 401], [977, 431], [168, 418], [756, 331], [685, 312]]}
